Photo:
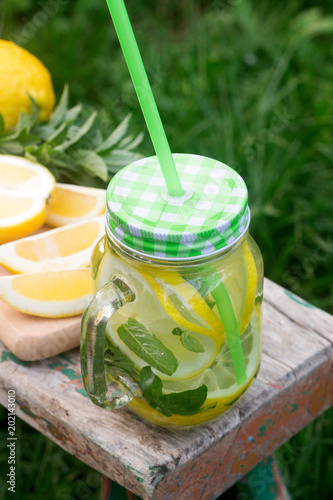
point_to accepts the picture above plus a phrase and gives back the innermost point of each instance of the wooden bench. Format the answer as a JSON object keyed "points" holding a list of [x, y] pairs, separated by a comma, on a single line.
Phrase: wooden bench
{"points": [[293, 387]]}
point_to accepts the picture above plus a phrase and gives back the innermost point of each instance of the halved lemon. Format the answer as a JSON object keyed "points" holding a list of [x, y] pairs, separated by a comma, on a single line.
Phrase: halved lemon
{"points": [[52, 294], [25, 194], [68, 247], [75, 203]]}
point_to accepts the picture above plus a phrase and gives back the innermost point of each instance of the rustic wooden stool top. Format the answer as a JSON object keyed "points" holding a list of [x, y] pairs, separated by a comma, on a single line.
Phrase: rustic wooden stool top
{"points": [[293, 387]]}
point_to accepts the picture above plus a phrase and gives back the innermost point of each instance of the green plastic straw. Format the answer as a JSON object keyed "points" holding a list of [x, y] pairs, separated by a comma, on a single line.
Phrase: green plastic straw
{"points": [[227, 315], [160, 142], [147, 102]]}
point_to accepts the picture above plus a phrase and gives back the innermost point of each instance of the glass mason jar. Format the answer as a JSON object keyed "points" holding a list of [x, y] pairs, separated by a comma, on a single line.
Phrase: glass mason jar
{"points": [[177, 338]]}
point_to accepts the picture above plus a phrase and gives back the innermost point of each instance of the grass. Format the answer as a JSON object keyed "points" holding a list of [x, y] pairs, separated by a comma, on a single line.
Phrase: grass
{"points": [[248, 83], [43, 470]]}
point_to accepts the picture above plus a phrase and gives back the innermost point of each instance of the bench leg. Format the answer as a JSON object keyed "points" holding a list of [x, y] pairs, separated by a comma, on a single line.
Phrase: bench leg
{"points": [[264, 482], [110, 490]]}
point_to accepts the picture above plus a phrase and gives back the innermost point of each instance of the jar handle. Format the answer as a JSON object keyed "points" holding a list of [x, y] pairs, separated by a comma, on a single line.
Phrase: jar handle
{"points": [[120, 389]]}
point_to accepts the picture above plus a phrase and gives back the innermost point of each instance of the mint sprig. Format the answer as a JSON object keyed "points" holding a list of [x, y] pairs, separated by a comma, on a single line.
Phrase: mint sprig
{"points": [[184, 403], [191, 343], [147, 346], [76, 144], [188, 341], [115, 358]]}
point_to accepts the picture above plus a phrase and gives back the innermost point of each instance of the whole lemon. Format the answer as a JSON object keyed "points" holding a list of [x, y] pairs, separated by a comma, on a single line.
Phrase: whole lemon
{"points": [[21, 74]]}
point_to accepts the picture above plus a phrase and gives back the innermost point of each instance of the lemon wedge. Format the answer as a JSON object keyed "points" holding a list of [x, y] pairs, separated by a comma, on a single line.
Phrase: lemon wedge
{"points": [[68, 247], [75, 203], [52, 294], [25, 194]]}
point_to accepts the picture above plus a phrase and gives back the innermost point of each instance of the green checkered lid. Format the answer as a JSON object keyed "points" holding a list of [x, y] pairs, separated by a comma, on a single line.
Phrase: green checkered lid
{"points": [[211, 214]]}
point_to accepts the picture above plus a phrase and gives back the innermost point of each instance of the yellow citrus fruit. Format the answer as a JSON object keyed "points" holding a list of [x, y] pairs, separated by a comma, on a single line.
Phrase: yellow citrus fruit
{"points": [[52, 294], [25, 193], [186, 298], [68, 247], [21, 75], [176, 294], [250, 273], [75, 203]]}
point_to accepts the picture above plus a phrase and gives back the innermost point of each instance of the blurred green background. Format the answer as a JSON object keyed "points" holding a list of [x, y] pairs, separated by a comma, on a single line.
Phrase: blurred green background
{"points": [[247, 82]]}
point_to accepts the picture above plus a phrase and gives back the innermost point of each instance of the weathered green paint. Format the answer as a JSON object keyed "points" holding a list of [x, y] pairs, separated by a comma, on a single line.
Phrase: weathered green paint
{"points": [[66, 358], [26, 409], [71, 374], [5, 356], [294, 408], [82, 392], [299, 300], [136, 474], [74, 376], [56, 365], [259, 483], [263, 428]]}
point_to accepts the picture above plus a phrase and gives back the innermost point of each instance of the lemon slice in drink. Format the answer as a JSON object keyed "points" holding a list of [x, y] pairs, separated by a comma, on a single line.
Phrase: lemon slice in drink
{"points": [[150, 297], [219, 379], [239, 274]]}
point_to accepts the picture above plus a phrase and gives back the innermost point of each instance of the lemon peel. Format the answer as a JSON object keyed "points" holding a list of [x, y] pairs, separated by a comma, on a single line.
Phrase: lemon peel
{"points": [[22, 74]]}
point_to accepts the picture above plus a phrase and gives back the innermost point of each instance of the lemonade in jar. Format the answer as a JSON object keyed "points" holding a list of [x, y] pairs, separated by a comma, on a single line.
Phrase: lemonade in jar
{"points": [[174, 328]]}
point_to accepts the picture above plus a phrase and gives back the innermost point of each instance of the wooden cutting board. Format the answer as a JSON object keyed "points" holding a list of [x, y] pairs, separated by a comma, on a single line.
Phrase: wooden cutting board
{"points": [[32, 338]]}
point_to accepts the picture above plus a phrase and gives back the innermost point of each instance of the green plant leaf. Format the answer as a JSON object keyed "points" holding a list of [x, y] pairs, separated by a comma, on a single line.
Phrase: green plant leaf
{"points": [[175, 403], [130, 144], [34, 111], [59, 135], [118, 158], [12, 148], [177, 331], [186, 402], [147, 346], [91, 163], [23, 123], [114, 357], [151, 386], [191, 343], [115, 137], [2, 125], [76, 133], [67, 143], [60, 110]]}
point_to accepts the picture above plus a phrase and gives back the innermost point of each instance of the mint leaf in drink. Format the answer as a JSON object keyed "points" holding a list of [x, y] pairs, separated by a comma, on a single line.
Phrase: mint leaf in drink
{"points": [[147, 346], [176, 403], [151, 386], [188, 341], [186, 402], [114, 357], [191, 343], [177, 331]]}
